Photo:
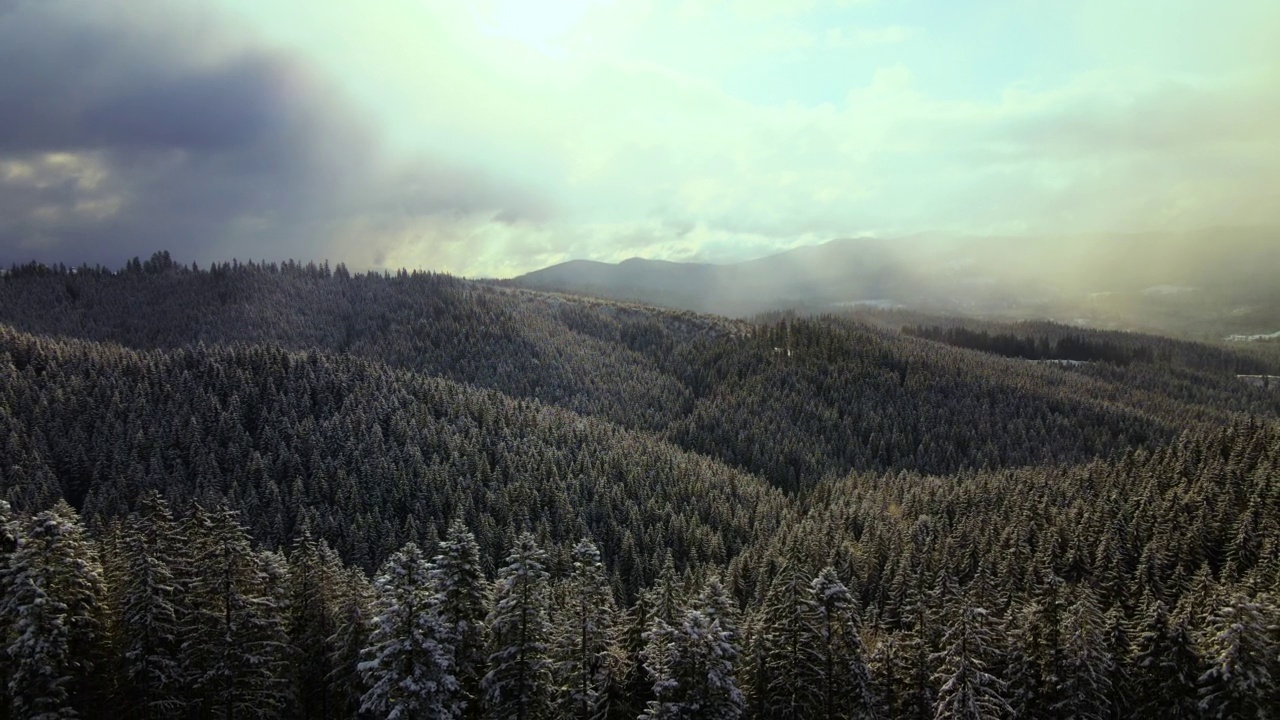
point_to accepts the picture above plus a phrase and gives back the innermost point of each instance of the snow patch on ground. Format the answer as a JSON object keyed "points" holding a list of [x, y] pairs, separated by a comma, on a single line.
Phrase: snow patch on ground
{"points": [[1252, 338]]}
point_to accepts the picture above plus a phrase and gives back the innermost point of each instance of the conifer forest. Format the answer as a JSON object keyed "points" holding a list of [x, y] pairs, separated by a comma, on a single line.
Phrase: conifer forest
{"points": [[260, 490]]}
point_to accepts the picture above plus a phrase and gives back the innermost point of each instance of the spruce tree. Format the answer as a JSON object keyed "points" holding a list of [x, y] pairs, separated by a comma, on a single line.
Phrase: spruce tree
{"points": [[148, 616], [966, 688], [408, 664], [518, 684], [916, 647], [8, 543], [791, 655], [235, 645], [51, 596], [714, 602], [353, 616], [313, 592], [693, 666], [1026, 691], [841, 675], [1166, 667], [1238, 651], [461, 597], [584, 649], [1088, 667], [635, 687], [666, 599]]}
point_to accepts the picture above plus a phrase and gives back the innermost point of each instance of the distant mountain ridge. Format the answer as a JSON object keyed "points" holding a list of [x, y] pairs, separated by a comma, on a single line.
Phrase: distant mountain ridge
{"points": [[803, 275], [1225, 279]]}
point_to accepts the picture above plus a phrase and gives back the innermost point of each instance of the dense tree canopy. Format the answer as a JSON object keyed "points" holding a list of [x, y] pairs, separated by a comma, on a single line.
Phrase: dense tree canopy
{"points": [[265, 491]]}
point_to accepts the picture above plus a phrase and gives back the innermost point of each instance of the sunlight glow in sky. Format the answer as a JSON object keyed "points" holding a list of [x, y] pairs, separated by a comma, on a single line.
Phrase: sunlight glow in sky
{"points": [[497, 136]]}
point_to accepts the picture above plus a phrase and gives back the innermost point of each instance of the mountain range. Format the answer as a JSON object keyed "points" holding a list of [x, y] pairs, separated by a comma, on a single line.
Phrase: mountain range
{"points": [[1203, 284]]}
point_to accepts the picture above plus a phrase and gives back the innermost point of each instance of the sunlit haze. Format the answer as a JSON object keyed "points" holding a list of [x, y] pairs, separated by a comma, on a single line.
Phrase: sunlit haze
{"points": [[496, 137]]}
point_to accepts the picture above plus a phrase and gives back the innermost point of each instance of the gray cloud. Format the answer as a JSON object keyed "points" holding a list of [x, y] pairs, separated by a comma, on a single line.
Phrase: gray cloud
{"points": [[128, 126], [119, 137]]}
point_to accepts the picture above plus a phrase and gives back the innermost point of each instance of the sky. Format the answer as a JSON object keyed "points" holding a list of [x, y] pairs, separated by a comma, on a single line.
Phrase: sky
{"points": [[493, 137]]}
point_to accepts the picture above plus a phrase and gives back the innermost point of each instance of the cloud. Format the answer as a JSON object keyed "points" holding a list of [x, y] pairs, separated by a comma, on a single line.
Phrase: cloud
{"points": [[863, 37], [407, 135], [790, 38], [121, 135], [1101, 153]]}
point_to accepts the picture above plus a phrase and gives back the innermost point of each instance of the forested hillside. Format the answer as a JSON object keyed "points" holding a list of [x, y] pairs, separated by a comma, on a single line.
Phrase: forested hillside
{"points": [[1040, 340], [794, 401], [1137, 588], [367, 457], [294, 492]]}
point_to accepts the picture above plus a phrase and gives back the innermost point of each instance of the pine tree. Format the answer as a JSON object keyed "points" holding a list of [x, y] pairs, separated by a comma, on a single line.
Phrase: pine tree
{"points": [[635, 688], [881, 663], [693, 669], [1166, 667], [313, 590], [1026, 690], [966, 689], [1088, 667], [408, 664], [147, 618], [916, 647], [8, 544], [8, 533], [235, 645], [790, 653], [459, 587], [842, 678], [584, 647], [51, 596], [1040, 676], [1119, 639], [1238, 651], [666, 600], [353, 616], [714, 602], [518, 684], [719, 606]]}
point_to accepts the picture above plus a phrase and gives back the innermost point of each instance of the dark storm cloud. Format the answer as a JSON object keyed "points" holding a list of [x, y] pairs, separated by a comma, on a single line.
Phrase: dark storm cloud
{"points": [[121, 135], [228, 108]]}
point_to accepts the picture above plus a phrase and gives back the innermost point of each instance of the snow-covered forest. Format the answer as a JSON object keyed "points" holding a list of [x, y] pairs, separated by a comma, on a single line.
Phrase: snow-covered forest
{"points": [[293, 492]]}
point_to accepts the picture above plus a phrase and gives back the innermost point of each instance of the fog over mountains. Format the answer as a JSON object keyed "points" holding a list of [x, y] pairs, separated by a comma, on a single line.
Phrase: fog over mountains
{"points": [[1200, 283]]}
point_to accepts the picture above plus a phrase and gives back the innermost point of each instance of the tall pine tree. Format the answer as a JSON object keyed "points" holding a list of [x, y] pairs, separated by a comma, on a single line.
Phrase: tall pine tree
{"points": [[693, 666], [234, 650], [8, 543], [841, 676], [314, 591], [408, 664], [461, 596], [585, 649], [790, 655], [51, 596], [1238, 651], [966, 688], [147, 618], [1165, 666], [518, 684]]}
